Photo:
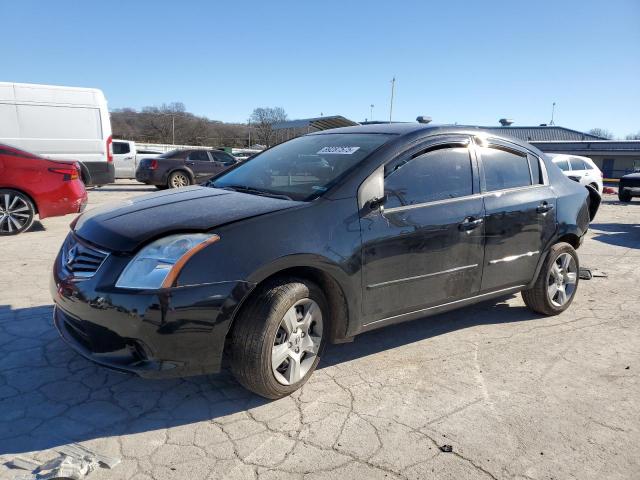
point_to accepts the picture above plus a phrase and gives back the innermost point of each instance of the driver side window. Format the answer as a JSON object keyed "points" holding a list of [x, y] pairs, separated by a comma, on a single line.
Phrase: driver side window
{"points": [[438, 174]]}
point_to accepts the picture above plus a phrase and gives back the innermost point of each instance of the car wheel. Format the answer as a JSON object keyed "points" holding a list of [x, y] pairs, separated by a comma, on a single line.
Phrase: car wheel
{"points": [[557, 281], [179, 179], [279, 336], [17, 212], [624, 196]]}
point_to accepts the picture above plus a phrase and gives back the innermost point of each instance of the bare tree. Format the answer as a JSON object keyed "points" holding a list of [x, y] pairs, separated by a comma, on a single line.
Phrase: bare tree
{"points": [[263, 121], [158, 124], [601, 132], [633, 136]]}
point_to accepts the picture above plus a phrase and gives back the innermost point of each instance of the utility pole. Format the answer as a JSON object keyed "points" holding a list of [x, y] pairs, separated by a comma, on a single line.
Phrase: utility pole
{"points": [[393, 87], [249, 122], [173, 128], [553, 111], [371, 116]]}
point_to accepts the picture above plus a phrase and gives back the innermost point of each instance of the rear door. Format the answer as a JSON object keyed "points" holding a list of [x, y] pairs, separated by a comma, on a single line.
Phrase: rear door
{"points": [[200, 164], [519, 213], [425, 247], [123, 160], [580, 169]]}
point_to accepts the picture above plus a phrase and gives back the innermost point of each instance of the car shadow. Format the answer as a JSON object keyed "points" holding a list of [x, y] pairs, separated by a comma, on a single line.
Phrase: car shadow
{"points": [[51, 396], [617, 234]]}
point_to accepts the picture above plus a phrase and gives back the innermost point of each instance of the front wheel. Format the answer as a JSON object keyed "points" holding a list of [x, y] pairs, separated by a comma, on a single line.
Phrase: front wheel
{"points": [[557, 282], [624, 196], [17, 212], [279, 336]]}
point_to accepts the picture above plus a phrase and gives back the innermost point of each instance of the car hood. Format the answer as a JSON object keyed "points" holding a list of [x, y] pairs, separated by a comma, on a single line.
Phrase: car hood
{"points": [[124, 227], [631, 176]]}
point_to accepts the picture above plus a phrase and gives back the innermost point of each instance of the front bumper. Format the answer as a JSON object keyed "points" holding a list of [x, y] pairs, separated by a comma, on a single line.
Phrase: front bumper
{"points": [[166, 333], [633, 191]]}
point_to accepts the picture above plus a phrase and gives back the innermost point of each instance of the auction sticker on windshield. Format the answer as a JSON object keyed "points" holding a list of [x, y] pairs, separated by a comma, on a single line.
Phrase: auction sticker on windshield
{"points": [[338, 150]]}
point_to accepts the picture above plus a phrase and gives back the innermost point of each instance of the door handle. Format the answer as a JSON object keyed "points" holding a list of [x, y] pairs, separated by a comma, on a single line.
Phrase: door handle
{"points": [[470, 223], [128, 158], [544, 207]]}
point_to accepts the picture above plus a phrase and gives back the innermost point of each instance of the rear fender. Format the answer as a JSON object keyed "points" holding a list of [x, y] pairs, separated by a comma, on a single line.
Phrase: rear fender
{"points": [[593, 201]]}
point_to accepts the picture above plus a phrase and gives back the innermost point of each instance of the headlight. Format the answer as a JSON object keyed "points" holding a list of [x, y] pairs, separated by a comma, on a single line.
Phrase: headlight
{"points": [[158, 264]]}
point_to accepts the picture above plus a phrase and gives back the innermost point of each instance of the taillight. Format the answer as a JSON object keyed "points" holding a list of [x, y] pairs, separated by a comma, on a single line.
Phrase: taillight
{"points": [[70, 173], [153, 165], [110, 149]]}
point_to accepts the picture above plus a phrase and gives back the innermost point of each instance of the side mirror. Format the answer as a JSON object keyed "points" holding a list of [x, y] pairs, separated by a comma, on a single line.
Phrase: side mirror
{"points": [[378, 202]]}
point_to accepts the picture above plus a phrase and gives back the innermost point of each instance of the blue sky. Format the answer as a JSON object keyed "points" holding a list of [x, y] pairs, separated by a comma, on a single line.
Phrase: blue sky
{"points": [[464, 62]]}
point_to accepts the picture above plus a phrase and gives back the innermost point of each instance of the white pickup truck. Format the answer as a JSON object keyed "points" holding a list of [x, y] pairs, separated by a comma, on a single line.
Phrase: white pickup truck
{"points": [[126, 158]]}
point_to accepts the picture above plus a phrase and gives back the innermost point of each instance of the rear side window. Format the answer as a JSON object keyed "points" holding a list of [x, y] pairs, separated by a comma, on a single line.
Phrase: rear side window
{"points": [[199, 156], [577, 164], [436, 175], [120, 148], [503, 169], [563, 165], [536, 173]]}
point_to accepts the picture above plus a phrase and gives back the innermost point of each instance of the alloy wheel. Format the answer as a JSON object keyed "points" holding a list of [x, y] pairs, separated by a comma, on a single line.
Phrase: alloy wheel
{"points": [[15, 213], [297, 342], [179, 180], [562, 279]]}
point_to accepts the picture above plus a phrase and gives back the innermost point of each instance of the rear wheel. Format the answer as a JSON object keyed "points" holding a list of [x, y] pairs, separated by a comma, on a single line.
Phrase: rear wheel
{"points": [[17, 212], [279, 336], [179, 179], [557, 282]]}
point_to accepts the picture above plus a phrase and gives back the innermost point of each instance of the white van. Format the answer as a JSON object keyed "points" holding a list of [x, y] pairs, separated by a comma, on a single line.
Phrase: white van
{"points": [[59, 123]]}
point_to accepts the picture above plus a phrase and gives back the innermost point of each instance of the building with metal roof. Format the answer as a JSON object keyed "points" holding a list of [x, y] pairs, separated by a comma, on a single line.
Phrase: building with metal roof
{"points": [[543, 133]]}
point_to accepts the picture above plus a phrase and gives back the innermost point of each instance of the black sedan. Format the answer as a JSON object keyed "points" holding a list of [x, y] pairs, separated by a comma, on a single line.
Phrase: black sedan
{"points": [[181, 168], [317, 240], [629, 187]]}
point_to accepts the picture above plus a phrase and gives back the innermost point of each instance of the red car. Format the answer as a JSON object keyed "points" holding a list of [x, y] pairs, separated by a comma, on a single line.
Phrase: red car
{"points": [[31, 185]]}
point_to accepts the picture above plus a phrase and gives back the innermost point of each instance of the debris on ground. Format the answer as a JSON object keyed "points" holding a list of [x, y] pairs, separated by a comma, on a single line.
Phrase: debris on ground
{"points": [[446, 448], [74, 462], [589, 273], [585, 273]]}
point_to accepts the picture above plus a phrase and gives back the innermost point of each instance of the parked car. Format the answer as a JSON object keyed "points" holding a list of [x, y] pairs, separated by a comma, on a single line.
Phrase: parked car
{"points": [[581, 169], [181, 168], [629, 187], [31, 185], [56, 122], [314, 241], [127, 156]]}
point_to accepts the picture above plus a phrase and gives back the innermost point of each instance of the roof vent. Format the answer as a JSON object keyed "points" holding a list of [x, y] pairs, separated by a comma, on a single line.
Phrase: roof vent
{"points": [[506, 122], [423, 119]]}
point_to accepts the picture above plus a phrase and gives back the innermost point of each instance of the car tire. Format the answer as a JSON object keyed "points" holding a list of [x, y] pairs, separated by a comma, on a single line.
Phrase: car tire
{"points": [[271, 327], [559, 273], [624, 197], [17, 212], [178, 179]]}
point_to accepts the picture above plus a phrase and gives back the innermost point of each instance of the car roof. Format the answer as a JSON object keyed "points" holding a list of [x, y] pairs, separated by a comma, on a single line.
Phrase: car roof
{"points": [[402, 129]]}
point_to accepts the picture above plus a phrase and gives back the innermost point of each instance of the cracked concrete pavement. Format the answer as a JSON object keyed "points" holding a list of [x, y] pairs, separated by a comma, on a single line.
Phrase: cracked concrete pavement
{"points": [[517, 395]]}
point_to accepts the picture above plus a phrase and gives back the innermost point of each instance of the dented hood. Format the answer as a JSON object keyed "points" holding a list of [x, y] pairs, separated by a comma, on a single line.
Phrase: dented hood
{"points": [[127, 225]]}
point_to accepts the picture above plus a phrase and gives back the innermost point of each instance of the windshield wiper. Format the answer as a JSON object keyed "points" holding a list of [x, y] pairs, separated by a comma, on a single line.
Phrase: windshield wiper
{"points": [[255, 191]]}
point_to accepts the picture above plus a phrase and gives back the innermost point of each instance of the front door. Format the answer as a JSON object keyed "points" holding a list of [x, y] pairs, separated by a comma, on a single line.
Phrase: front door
{"points": [[425, 246], [123, 160], [520, 215]]}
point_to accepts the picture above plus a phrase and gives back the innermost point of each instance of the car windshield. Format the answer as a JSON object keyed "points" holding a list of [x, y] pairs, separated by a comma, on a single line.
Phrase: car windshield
{"points": [[303, 168]]}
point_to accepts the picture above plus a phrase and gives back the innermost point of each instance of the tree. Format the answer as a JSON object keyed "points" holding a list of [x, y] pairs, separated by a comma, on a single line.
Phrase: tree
{"points": [[263, 121], [633, 136], [601, 132]]}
